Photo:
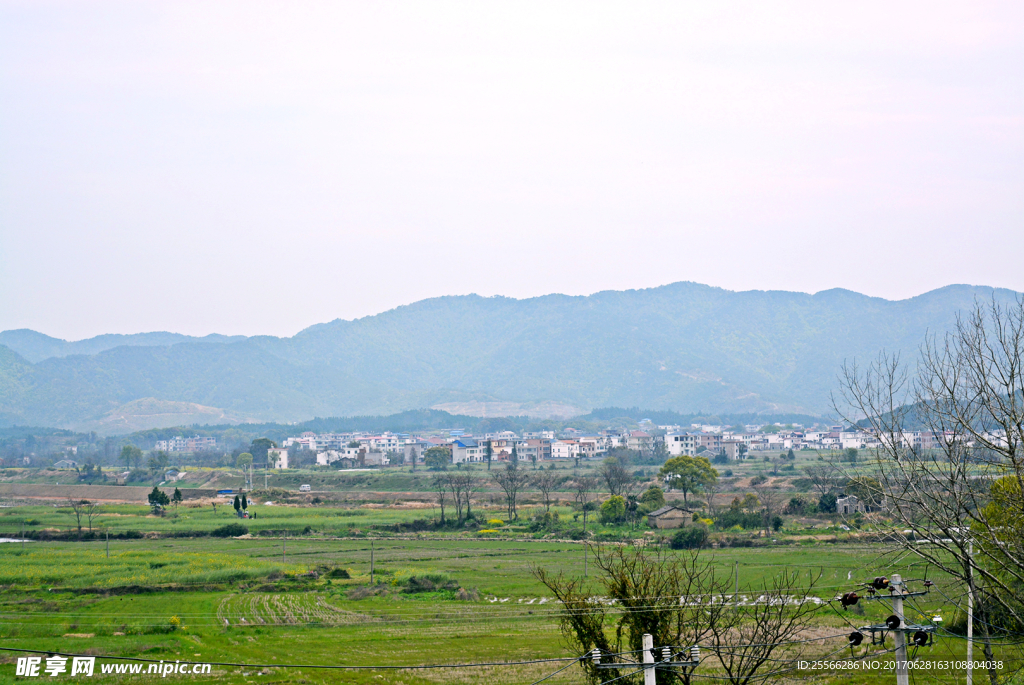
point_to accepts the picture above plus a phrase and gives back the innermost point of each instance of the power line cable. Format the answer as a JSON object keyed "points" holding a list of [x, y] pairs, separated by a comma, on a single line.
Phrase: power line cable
{"points": [[320, 666], [553, 674], [632, 673]]}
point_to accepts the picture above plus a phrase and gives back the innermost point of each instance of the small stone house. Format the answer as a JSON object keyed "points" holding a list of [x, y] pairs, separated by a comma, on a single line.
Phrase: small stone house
{"points": [[669, 517], [850, 504]]}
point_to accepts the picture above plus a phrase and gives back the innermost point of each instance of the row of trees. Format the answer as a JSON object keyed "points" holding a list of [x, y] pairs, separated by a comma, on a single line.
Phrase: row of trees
{"points": [[457, 488], [80, 509], [454, 489]]}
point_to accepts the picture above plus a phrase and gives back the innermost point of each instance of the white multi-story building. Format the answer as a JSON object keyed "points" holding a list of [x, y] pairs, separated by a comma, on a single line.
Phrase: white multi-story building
{"points": [[564, 449], [277, 457], [467, 450], [681, 443], [328, 457], [306, 443], [501, 435], [856, 439], [196, 444]]}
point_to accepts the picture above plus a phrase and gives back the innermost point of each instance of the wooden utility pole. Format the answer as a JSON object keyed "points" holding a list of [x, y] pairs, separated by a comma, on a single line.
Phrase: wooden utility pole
{"points": [[371, 562]]}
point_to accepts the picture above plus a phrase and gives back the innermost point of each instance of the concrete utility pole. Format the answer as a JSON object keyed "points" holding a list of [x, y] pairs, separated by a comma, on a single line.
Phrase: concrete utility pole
{"points": [[648, 643], [284, 547], [970, 603], [902, 672], [970, 612], [108, 544], [669, 659]]}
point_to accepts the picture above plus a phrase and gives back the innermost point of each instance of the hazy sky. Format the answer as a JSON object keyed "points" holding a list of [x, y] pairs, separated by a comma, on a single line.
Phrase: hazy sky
{"points": [[251, 167]]}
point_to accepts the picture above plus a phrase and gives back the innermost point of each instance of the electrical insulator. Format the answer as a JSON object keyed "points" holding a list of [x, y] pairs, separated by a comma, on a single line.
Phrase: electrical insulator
{"points": [[880, 583], [920, 638], [855, 638], [695, 654], [849, 599], [928, 583], [596, 656], [666, 654], [893, 622]]}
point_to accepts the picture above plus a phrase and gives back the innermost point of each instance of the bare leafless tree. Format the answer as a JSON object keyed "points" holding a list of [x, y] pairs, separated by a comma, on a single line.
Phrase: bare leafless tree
{"points": [[462, 486], [583, 491], [547, 482], [454, 482], [747, 637], [617, 478], [91, 509], [512, 480], [439, 484], [823, 476], [771, 503], [80, 508], [961, 488], [711, 489], [470, 487]]}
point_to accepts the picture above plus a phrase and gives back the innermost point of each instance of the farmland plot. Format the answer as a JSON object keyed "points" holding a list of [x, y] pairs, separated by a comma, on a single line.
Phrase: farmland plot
{"points": [[281, 609]]}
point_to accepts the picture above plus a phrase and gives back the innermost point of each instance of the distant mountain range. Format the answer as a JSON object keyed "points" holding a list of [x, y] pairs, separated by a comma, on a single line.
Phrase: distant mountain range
{"points": [[684, 347]]}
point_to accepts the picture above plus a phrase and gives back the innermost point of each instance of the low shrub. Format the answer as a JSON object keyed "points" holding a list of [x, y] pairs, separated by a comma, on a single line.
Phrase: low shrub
{"points": [[414, 526], [693, 537], [364, 592], [730, 518], [231, 530], [613, 510], [430, 582]]}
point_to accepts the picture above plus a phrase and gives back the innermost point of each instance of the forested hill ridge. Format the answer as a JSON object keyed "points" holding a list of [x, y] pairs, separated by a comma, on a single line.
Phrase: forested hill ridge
{"points": [[683, 347], [36, 347]]}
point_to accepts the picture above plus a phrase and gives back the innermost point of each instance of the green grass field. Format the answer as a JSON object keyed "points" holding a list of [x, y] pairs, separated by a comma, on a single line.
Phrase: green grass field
{"points": [[251, 601], [297, 590]]}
